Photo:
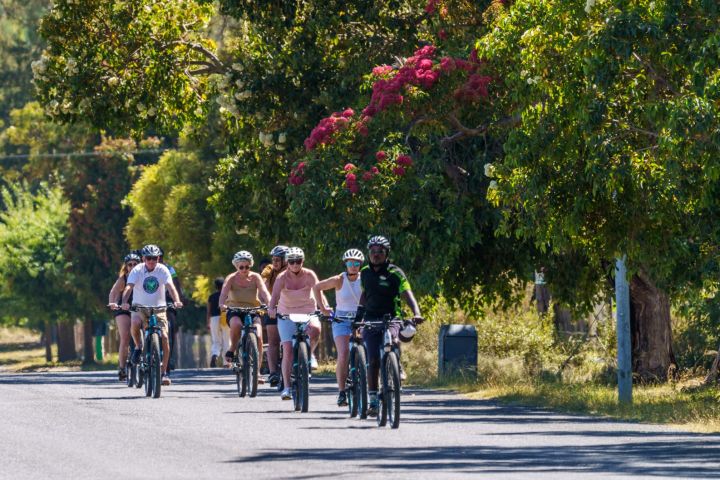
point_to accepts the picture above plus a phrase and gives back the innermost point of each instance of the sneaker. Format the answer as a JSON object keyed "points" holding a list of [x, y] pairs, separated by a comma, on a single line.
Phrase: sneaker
{"points": [[213, 361], [403, 375], [274, 379], [122, 375], [229, 357], [136, 356], [342, 399], [373, 407], [166, 380], [261, 380], [286, 395], [313, 362]]}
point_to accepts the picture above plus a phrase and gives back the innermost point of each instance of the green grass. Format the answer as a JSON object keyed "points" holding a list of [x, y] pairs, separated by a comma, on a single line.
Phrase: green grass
{"points": [[21, 351]]}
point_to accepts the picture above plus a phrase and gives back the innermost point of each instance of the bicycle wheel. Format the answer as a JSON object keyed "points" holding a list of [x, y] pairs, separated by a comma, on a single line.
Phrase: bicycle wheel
{"points": [[155, 365], [145, 366], [129, 374], [302, 378], [239, 367], [382, 394], [251, 363], [361, 387], [350, 386], [392, 391]]}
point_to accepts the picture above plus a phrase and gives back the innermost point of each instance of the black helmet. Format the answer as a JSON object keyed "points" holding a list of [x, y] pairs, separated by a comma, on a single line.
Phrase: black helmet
{"points": [[219, 282], [280, 251], [379, 240], [131, 257], [151, 251]]}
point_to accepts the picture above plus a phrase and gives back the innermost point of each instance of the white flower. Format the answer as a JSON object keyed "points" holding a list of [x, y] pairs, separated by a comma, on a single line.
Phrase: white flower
{"points": [[237, 67], [141, 107], [39, 66], [152, 112], [239, 83], [489, 170], [198, 112], [524, 73], [282, 138], [589, 4], [113, 81], [280, 147], [493, 185], [147, 8]]}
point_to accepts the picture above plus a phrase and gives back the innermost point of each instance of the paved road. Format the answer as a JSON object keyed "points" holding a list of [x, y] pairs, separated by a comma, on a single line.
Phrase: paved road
{"points": [[84, 425]]}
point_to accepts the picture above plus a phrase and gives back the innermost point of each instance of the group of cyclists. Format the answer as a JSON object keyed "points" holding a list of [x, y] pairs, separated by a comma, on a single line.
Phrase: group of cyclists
{"points": [[285, 286]]}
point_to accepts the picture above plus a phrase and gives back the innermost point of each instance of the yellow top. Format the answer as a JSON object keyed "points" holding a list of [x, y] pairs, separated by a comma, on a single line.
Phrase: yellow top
{"points": [[243, 296]]}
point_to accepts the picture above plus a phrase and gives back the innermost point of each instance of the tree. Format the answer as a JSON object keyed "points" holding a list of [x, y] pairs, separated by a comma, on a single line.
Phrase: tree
{"points": [[35, 283]]}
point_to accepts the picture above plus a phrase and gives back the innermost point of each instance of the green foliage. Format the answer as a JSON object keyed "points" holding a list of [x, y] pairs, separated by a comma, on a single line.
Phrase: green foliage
{"points": [[33, 230]]}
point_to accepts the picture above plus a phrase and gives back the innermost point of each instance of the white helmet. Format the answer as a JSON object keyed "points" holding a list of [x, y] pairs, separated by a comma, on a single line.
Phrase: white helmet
{"points": [[240, 256], [379, 240], [353, 254], [407, 332], [295, 253]]}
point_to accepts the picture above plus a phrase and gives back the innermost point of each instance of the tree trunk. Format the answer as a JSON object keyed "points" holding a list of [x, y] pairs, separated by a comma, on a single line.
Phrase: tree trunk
{"points": [[650, 327], [48, 341], [66, 342], [88, 344]]}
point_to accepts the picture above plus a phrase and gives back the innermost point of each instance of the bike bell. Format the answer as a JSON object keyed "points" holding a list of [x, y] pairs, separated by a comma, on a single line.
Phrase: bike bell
{"points": [[407, 332]]}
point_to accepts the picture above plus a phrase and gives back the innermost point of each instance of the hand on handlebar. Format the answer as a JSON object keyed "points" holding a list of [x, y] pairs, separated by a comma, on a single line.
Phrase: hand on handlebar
{"points": [[125, 306], [177, 304], [417, 320], [113, 306], [327, 311]]}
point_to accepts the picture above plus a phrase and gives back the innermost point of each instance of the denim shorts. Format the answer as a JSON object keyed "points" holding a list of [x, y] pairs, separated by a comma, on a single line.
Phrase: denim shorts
{"points": [[343, 328]]}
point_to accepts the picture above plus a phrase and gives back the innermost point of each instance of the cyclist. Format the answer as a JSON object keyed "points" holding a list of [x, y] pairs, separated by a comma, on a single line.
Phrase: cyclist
{"points": [[171, 312], [278, 264], [383, 284], [122, 317], [219, 330], [347, 296], [147, 283], [242, 288], [293, 293]]}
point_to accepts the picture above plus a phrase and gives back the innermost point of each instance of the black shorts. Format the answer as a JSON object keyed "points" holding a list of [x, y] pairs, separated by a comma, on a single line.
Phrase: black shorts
{"points": [[231, 315], [373, 338], [269, 321], [117, 313]]}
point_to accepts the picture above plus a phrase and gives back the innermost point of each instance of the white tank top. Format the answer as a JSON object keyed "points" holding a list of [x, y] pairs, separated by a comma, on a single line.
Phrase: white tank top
{"points": [[348, 297]]}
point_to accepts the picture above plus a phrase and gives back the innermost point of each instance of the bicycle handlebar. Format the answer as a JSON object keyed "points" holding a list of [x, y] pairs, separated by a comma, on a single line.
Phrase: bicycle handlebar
{"points": [[247, 309]]}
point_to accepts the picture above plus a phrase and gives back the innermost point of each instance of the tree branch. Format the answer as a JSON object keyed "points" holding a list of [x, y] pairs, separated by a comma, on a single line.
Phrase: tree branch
{"points": [[654, 74], [464, 131]]}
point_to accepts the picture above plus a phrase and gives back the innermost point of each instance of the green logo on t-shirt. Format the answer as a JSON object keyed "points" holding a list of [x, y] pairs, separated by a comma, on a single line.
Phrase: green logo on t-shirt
{"points": [[151, 284]]}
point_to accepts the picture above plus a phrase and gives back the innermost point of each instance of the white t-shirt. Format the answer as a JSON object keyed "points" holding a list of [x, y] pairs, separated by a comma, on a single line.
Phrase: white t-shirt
{"points": [[149, 287]]}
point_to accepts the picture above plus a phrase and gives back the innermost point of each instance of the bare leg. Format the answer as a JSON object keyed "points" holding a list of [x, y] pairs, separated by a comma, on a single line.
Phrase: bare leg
{"points": [[287, 362], [341, 368], [273, 347], [123, 324]]}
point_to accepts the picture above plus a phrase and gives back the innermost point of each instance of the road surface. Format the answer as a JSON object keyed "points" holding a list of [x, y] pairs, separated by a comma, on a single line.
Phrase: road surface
{"points": [[86, 425]]}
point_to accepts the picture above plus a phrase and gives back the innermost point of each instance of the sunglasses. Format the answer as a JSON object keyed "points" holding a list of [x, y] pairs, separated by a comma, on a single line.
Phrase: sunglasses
{"points": [[295, 262], [243, 267], [377, 252], [151, 259], [353, 263], [131, 264]]}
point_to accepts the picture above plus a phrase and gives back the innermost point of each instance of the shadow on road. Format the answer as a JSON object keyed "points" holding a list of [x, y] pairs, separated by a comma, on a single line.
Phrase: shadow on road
{"points": [[685, 458]]}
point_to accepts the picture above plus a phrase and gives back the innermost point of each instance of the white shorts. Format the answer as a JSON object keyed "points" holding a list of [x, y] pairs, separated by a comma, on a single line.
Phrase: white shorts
{"points": [[287, 328]]}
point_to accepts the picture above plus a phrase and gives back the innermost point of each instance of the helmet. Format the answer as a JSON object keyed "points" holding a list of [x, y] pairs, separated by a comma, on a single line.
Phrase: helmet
{"points": [[242, 255], [379, 240], [151, 251], [131, 257], [407, 332], [353, 254], [295, 253], [279, 251], [219, 282]]}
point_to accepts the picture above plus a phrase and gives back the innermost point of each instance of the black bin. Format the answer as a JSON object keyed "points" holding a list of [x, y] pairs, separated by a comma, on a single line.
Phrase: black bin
{"points": [[458, 351]]}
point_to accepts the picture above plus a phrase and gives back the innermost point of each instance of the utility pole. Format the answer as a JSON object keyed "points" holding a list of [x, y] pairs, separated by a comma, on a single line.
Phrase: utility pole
{"points": [[624, 360]]}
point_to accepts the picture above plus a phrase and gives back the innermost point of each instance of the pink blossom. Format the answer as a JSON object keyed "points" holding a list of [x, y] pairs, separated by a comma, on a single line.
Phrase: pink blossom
{"points": [[442, 35], [380, 156], [367, 176], [301, 165], [447, 64], [425, 64], [362, 129], [382, 70], [399, 171], [354, 188], [350, 178], [430, 6], [374, 170], [426, 51], [348, 112], [404, 160]]}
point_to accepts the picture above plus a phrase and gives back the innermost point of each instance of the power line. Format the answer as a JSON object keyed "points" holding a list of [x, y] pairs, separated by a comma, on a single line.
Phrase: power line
{"points": [[26, 156]]}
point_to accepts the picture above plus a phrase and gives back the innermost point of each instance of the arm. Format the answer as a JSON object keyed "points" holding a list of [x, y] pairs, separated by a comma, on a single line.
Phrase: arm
{"points": [[116, 290], [174, 294], [327, 284], [207, 313], [224, 292], [412, 303], [126, 295], [262, 289], [178, 287], [277, 288]]}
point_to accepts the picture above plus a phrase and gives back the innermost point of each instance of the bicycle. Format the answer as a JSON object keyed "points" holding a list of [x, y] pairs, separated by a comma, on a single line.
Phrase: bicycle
{"points": [[150, 367], [245, 364], [300, 376], [131, 373], [356, 388], [390, 383]]}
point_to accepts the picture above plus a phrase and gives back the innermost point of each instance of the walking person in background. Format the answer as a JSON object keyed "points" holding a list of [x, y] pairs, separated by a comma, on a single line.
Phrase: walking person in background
{"points": [[278, 264], [171, 311], [122, 317], [219, 329], [347, 296]]}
